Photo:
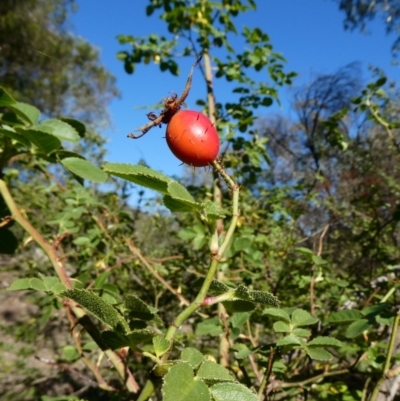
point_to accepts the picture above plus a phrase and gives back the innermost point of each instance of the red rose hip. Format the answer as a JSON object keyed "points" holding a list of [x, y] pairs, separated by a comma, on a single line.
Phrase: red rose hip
{"points": [[192, 138]]}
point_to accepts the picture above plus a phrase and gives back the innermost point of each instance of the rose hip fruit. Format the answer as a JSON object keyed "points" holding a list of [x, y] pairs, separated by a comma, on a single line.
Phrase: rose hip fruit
{"points": [[192, 138]]}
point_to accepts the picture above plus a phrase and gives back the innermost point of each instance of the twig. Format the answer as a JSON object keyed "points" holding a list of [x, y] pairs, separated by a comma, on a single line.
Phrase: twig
{"points": [[312, 281], [151, 269]]}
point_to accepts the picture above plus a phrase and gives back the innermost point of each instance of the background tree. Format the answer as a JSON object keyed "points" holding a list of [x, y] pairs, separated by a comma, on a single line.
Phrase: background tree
{"points": [[44, 64], [360, 12]]}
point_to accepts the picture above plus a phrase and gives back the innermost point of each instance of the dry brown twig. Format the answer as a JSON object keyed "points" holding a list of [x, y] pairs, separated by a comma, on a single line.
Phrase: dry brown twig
{"points": [[171, 105]]}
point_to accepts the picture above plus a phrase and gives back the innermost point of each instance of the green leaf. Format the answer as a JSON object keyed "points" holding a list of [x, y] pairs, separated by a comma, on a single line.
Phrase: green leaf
{"points": [[374, 310], [211, 371], [84, 169], [60, 129], [179, 385], [21, 283], [302, 332], [101, 309], [239, 319], [277, 313], [343, 316], [281, 327], [325, 342], [301, 317], [138, 308], [289, 340], [70, 353], [5, 98], [232, 392], [37, 284], [180, 205], [44, 141], [192, 356], [140, 175], [18, 137], [79, 127], [160, 345], [115, 340], [358, 327], [242, 351], [212, 211], [209, 327], [319, 354], [29, 113]]}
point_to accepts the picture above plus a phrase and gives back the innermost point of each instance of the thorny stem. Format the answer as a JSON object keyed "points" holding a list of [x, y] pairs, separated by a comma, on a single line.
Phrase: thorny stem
{"points": [[83, 319], [198, 302]]}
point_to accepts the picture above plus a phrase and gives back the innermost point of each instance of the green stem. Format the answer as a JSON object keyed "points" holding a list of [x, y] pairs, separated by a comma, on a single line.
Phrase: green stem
{"points": [[216, 258], [186, 313], [386, 366]]}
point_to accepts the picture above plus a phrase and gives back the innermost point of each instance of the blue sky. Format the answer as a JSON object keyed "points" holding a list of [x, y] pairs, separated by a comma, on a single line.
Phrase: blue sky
{"points": [[308, 33]]}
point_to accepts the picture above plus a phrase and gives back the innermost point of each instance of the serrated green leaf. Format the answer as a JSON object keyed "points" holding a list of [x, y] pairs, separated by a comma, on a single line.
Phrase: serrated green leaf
{"points": [[319, 354], [84, 169], [212, 211], [143, 336], [21, 283], [101, 309], [140, 175], [239, 319], [44, 141], [232, 392], [277, 313], [343, 316], [212, 371], [324, 342], [79, 126], [179, 385], [179, 205], [177, 191], [26, 111], [160, 345], [70, 353], [358, 327], [37, 284], [289, 340], [302, 332], [50, 282], [301, 317], [139, 309], [374, 310], [192, 356], [281, 327], [62, 130]]}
